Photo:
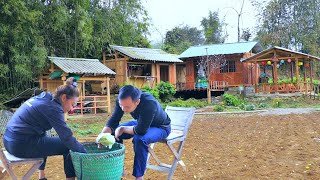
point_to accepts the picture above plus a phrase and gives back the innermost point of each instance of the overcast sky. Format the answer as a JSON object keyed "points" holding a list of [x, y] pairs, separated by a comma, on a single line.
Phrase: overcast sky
{"points": [[166, 14]]}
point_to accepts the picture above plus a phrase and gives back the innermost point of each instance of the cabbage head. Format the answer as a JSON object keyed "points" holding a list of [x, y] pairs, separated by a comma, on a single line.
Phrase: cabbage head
{"points": [[106, 139]]}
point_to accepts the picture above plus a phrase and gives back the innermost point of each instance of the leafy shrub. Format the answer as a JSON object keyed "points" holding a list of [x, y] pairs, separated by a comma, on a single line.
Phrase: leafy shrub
{"points": [[242, 106], [262, 105], [249, 107], [218, 108], [231, 100], [153, 91], [166, 91], [188, 103], [276, 103]]}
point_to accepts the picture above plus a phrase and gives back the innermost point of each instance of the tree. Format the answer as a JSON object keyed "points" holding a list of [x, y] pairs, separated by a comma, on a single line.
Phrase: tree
{"points": [[212, 27], [32, 30], [246, 34], [210, 63], [291, 24], [180, 38]]}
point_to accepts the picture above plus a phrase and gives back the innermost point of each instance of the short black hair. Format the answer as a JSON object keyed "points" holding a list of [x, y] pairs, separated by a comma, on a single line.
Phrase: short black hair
{"points": [[129, 91]]}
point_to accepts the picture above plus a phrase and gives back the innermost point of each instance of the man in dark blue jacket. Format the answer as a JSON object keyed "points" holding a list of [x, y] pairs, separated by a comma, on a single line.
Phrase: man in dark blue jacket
{"points": [[151, 124], [25, 134]]}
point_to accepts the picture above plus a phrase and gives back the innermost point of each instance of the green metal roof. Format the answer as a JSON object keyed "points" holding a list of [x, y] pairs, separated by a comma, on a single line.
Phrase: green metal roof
{"points": [[147, 54], [80, 65], [226, 48]]}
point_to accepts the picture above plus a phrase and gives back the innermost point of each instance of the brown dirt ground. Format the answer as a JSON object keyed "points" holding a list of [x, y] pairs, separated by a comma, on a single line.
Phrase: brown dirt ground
{"points": [[238, 147]]}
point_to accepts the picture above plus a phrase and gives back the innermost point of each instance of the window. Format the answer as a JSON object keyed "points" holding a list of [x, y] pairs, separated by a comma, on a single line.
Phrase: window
{"points": [[229, 67]]}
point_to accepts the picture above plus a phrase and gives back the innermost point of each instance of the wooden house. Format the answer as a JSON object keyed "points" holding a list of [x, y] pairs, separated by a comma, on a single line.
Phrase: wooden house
{"points": [[230, 71], [92, 78], [141, 66]]}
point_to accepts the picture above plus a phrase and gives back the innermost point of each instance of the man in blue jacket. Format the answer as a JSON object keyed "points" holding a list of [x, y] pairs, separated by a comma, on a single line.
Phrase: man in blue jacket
{"points": [[150, 124]]}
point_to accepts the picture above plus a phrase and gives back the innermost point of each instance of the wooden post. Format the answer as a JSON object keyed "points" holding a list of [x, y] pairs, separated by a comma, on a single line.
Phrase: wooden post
{"points": [[297, 73], [275, 71], [104, 57], [84, 88], [209, 94], [310, 74], [41, 82], [108, 95], [95, 104], [255, 77]]}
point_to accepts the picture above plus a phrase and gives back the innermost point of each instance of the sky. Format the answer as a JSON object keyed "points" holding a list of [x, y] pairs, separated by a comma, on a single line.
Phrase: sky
{"points": [[167, 14]]}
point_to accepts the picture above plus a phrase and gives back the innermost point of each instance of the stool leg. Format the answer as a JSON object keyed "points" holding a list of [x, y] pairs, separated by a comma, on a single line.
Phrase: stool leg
{"points": [[34, 167]]}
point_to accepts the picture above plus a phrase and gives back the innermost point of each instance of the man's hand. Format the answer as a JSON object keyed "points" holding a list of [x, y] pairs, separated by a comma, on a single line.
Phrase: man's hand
{"points": [[119, 131], [106, 129], [123, 129]]}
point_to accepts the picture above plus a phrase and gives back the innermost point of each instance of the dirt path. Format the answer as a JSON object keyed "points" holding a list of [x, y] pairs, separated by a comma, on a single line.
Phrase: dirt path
{"points": [[239, 146]]}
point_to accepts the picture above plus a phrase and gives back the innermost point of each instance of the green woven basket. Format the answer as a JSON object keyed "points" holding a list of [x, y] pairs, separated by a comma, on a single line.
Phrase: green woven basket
{"points": [[99, 163]]}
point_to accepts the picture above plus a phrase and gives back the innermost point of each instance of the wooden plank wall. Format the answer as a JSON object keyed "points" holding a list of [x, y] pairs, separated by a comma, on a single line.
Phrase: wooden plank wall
{"points": [[190, 77], [172, 74]]}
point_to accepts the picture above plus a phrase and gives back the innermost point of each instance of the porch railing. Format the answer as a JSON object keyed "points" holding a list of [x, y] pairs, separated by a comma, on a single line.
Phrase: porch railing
{"points": [[284, 88], [91, 104]]}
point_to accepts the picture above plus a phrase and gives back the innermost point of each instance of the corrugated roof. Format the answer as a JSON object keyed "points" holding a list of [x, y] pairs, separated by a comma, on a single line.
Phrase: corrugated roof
{"points": [[226, 48], [282, 49], [147, 54], [81, 66]]}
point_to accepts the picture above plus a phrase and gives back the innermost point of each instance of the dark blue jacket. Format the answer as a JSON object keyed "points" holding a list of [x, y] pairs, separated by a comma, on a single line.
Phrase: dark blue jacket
{"points": [[37, 115], [148, 113]]}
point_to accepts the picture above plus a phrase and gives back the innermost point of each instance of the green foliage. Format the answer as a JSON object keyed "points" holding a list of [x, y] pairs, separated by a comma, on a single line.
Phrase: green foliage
{"points": [[231, 100], [188, 103], [289, 24], [32, 30], [153, 91], [276, 103], [262, 105], [249, 107], [212, 28], [218, 108], [181, 38], [166, 91]]}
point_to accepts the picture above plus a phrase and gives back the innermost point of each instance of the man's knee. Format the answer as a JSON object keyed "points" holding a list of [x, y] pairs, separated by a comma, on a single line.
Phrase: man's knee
{"points": [[138, 139]]}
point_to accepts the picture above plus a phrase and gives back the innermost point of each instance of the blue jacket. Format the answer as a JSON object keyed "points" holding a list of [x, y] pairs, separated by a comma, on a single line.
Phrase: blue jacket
{"points": [[37, 115], [148, 113]]}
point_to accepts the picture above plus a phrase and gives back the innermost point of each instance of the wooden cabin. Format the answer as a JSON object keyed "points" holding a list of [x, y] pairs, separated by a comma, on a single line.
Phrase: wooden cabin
{"points": [[92, 77], [229, 72], [141, 66], [289, 71]]}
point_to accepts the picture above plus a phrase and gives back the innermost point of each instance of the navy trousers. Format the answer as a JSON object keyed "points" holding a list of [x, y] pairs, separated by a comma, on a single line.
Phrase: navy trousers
{"points": [[140, 145], [41, 147]]}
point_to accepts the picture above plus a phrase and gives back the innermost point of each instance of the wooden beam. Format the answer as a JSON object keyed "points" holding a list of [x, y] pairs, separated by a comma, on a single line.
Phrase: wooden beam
{"points": [[117, 59], [91, 79], [275, 69], [108, 94], [284, 58]]}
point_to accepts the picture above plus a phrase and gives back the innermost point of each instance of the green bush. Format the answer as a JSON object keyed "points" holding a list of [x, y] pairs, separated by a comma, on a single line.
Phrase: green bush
{"points": [[153, 91], [166, 91], [262, 105], [249, 107], [218, 108], [231, 100], [188, 103], [276, 103]]}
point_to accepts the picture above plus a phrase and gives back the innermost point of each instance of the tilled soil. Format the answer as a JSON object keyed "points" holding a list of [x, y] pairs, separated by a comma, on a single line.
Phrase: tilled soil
{"points": [[241, 146]]}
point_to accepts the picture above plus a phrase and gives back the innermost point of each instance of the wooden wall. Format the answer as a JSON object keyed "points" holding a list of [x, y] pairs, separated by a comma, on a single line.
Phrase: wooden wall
{"points": [[190, 74], [240, 77]]}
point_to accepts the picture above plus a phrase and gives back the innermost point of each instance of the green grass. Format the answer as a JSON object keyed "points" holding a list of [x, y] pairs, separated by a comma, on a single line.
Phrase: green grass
{"points": [[90, 126]]}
